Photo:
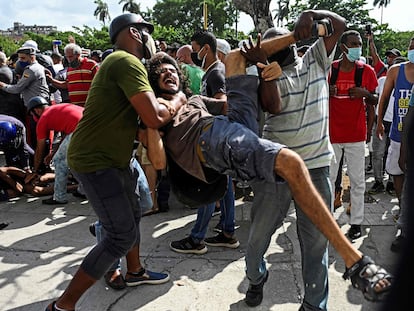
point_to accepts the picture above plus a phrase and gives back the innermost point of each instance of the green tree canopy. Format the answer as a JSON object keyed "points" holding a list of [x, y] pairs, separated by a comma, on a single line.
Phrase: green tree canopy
{"points": [[188, 15]]}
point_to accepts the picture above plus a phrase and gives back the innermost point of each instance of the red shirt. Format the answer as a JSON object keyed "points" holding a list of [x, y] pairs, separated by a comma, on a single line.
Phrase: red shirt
{"points": [[59, 118], [347, 118], [79, 80], [380, 68]]}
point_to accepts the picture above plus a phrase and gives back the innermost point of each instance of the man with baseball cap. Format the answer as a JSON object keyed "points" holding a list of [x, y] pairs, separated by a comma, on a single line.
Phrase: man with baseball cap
{"points": [[393, 52], [223, 48], [100, 151], [33, 81]]}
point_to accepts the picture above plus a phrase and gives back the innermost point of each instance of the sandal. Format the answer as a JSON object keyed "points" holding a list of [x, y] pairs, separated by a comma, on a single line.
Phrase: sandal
{"points": [[151, 211], [52, 307], [116, 282], [365, 275]]}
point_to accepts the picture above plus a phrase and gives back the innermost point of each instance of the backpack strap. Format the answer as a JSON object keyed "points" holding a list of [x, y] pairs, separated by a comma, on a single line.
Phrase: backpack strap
{"points": [[334, 73], [381, 71], [358, 73]]}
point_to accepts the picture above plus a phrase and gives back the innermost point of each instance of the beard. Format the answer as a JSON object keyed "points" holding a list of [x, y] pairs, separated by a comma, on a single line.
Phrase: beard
{"points": [[169, 92]]}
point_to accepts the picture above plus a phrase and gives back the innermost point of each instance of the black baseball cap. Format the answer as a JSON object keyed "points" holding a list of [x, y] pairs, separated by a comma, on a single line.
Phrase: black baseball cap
{"points": [[394, 52]]}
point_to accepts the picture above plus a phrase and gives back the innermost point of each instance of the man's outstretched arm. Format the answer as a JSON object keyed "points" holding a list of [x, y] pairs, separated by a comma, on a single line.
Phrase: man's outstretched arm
{"points": [[269, 95]]}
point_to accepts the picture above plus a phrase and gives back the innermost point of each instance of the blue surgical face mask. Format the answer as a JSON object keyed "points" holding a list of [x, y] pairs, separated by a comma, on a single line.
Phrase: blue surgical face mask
{"points": [[353, 53], [410, 56], [24, 64]]}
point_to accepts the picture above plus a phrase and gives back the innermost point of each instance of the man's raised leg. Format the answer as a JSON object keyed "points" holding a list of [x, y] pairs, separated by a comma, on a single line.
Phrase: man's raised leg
{"points": [[292, 169]]}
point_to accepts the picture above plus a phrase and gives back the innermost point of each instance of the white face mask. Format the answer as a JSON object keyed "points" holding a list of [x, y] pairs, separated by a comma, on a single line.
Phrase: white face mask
{"points": [[198, 54], [203, 59]]}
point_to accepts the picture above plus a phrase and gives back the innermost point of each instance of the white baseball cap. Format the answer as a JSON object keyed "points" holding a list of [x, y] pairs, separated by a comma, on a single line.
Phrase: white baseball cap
{"points": [[223, 46], [29, 47]]}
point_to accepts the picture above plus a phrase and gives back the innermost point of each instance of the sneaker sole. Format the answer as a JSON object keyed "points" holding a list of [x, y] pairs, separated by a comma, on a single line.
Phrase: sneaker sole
{"points": [[220, 230], [151, 282], [234, 245], [190, 251]]}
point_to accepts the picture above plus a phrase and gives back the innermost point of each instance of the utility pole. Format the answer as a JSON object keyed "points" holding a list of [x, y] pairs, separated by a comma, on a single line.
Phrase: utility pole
{"points": [[205, 15]]}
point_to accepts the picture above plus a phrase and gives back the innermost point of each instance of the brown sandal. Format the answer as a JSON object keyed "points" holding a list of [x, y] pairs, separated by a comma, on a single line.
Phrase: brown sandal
{"points": [[151, 211], [116, 282]]}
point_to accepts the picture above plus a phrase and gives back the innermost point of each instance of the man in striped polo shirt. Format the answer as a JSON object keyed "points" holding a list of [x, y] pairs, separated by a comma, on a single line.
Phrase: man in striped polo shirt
{"points": [[303, 126], [79, 75]]}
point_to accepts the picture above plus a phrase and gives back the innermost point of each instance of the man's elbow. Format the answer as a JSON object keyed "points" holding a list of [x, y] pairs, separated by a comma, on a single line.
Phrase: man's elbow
{"points": [[274, 110], [159, 165]]}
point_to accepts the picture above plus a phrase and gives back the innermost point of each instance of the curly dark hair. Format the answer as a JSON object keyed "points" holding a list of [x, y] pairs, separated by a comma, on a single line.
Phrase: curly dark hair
{"points": [[153, 74]]}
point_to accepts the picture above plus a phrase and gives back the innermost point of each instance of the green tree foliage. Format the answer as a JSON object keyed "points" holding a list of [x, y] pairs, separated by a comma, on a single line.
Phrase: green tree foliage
{"points": [[187, 15], [85, 37], [8, 45], [386, 39], [351, 10], [176, 21]]}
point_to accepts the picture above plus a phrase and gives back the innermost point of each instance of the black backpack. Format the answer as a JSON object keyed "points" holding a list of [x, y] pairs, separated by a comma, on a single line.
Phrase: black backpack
{"points": [[358, 73]]}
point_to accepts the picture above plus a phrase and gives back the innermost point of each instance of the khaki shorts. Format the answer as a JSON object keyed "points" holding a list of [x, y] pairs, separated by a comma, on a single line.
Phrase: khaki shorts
{"points": [[142, 155], [391, 166]]}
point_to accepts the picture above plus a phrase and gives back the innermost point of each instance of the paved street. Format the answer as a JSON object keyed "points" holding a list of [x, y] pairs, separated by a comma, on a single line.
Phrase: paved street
{"points": [[43, 245]]}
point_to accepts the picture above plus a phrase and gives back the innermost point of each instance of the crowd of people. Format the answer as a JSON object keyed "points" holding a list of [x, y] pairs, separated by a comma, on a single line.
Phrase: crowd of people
{"points": [[198, 114]]}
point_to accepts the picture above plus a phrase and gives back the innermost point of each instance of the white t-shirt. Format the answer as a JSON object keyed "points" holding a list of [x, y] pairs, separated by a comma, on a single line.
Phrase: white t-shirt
{"points": [[380, 88]]}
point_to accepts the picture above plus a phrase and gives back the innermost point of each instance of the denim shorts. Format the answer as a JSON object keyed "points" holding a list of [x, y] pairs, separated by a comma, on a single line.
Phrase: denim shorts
{"points": [[232, 149]]}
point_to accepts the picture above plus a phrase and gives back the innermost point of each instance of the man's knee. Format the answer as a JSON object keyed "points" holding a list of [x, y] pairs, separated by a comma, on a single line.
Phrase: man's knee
{"points": [[122, 243], [289, 162]]}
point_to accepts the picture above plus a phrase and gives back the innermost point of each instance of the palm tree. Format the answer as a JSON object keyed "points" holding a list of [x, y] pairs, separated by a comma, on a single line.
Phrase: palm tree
{"points": [[130, 6], [282, 12], [381, 4], [102, 11]]}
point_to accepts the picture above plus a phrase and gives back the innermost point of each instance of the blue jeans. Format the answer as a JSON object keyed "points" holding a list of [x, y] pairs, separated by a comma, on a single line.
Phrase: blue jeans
{"points": [[111, 193], [60, 161], [227, 209], [205, 212], [231, 145], [274, 199], [378, 151]]}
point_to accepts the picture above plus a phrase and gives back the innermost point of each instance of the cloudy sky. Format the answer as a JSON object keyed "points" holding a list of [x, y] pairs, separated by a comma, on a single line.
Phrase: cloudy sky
{"points": [[67, 13]]}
